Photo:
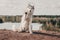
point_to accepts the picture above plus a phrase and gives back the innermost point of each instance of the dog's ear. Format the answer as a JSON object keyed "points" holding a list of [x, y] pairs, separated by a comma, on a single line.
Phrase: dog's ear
{"points": [[30, 5]]}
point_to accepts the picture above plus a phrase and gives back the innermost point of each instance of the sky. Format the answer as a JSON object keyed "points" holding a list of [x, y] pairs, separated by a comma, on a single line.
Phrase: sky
{"points": [[18, 7]]}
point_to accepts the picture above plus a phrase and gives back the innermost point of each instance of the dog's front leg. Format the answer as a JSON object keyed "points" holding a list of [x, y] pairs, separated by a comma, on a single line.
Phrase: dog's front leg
{"points": [[30, 29]]}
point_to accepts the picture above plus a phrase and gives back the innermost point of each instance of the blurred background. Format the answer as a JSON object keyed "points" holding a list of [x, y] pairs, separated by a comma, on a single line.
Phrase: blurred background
{"points": [[46, 14], [42, 22]]}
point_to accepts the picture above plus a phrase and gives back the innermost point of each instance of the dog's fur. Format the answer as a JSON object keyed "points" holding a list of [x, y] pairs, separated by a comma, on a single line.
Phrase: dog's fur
{"points": [[27, 20]]}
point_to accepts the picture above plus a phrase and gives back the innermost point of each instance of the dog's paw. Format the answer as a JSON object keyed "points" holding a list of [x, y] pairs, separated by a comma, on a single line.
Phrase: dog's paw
{"points": [[31, 32]]}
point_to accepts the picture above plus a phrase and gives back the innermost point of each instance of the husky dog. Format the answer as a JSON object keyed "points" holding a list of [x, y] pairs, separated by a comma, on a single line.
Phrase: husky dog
{"points": [[27, 19]]}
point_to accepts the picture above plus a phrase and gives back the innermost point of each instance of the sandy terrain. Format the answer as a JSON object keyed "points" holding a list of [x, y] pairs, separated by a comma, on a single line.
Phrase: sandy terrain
{"points": [[10, 35]]}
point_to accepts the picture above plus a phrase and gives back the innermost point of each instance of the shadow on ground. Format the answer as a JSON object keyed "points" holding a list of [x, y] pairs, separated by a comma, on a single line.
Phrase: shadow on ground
{"points": [[46, 34]]}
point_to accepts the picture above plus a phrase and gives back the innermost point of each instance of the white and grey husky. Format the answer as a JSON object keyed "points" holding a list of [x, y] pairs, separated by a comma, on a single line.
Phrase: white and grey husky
{"points": [[27, 20]]}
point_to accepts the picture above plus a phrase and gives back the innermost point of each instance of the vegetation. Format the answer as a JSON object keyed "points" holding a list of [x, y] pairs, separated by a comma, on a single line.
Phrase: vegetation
{"points": [[52, 21], [1, 21]]}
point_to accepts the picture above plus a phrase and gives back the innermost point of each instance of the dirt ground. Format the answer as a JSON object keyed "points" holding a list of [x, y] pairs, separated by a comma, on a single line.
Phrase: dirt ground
{"points": [[11, 35]]}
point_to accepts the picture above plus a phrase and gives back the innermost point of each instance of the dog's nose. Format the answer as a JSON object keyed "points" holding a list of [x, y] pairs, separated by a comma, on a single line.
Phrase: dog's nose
{"points": [[25, 12]]}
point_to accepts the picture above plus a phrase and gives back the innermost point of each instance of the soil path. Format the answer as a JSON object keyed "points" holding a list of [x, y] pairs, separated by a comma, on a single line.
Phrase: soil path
{"points": [[11, 35]]}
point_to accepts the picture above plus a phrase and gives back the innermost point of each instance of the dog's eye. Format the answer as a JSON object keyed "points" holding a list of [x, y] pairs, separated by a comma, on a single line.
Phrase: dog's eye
{"points": [[30, 10], [25, 12]]}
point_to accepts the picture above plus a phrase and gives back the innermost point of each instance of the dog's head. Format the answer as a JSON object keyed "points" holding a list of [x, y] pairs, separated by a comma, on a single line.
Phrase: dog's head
{"points": [[29, 11]]}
